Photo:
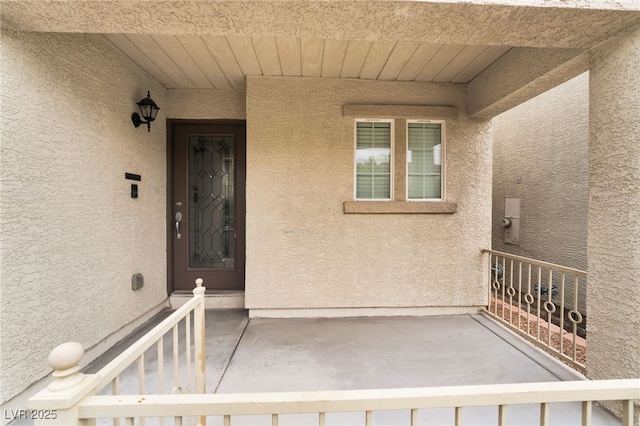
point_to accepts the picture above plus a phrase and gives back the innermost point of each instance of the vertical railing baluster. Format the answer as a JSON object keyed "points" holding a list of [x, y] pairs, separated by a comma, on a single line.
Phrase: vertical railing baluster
{"points": [[497, 287], [538, 297], [160, 346], [176, 360], [511, 292], [519, 295], [544, 414], [414, 417], [129, 421], [549, 308], [274, 420], [577, 319], [494, 285], [627, 412], [115, 390], [141, 374], [489, 281], [562, 309], [503, 279], [502, 415], [586, 413], [368, 418], [528, 300], [227, 420], [493, 291], [115, 386], [582, 291], [141, 381], [187, 326], [458, 416], [177, 421], [321, 419]]}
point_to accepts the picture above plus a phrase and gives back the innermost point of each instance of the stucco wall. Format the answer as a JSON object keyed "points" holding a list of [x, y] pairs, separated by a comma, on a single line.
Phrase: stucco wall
{"points": [[541, 155], [71, 236], [304, 252], [206, 104], [614, 211]]}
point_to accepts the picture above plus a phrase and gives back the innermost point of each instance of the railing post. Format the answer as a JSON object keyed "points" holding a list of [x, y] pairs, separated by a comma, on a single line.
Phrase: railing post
{"points": [[199, 342], [58, 403]]}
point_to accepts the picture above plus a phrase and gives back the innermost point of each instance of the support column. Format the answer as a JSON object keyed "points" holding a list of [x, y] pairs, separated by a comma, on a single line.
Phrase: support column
{"points": [[613, 293]]}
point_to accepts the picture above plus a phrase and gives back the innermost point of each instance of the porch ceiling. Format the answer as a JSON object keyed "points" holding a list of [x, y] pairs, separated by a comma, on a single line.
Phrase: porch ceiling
{"points": [[223, 62], [216, 43]]}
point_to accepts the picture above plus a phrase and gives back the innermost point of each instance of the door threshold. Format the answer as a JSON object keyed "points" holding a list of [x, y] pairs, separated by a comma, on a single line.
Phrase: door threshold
{"points": [[214, 299]]}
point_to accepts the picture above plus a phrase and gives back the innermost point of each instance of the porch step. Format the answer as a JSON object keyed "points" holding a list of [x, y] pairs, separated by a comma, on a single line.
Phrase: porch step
{"points": [[223, 299]]}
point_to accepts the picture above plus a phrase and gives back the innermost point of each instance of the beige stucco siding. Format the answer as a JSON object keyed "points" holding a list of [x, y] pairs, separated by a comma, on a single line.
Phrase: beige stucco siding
{"points": [[304, 252], [613, 293], [196, 104], [72, 236], [614, 210], [541, 155]]}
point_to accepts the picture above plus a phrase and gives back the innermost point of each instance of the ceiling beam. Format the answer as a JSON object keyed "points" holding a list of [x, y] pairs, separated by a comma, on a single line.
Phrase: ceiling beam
{"points": [[521, 74]]}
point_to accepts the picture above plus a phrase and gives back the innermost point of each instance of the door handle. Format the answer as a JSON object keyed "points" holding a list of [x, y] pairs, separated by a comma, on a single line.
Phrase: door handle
{"points": [[178, 220]]}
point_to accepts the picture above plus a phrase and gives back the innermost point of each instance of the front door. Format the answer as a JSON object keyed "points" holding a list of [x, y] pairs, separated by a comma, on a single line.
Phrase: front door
{"points": [[207, 211]]}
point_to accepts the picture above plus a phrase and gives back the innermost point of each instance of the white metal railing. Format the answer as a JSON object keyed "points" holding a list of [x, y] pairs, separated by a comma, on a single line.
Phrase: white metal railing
{"points": [[58, 403], [372, 402], [543, 302]]}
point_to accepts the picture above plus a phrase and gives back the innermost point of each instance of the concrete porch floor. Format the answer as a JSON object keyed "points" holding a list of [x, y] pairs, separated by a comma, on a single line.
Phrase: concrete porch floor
{"points": [[269, 355]]}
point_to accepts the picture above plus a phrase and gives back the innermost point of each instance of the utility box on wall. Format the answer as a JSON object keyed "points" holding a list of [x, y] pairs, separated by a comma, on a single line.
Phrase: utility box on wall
{"points": [[511, 221], [137, 282]]}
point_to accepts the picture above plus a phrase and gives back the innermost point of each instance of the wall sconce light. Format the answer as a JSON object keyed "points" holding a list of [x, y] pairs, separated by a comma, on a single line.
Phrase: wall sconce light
{"points": [[148, 110]]}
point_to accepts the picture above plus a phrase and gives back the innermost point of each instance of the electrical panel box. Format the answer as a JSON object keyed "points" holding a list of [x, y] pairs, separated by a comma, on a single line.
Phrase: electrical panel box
{"points": [[511, 221]]}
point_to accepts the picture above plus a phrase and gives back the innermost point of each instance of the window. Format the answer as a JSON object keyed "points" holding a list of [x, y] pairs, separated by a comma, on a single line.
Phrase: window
{"points": [[424, 159], [392, 178], [373, 159]]}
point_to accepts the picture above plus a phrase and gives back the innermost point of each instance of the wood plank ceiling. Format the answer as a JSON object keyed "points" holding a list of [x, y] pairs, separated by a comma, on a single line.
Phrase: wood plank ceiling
{"points": [[222, 62]]}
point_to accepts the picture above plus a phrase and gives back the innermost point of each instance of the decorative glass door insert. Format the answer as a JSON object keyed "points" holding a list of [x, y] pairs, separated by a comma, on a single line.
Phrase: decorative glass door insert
{"points": [[211, 201]]}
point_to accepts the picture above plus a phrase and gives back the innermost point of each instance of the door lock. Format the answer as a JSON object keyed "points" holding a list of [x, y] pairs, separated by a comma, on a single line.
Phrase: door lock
{"points": [[178, 220]]}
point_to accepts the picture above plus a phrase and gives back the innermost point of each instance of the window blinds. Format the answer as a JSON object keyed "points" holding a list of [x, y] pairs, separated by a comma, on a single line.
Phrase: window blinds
{"points": [[424, 160], [373, 160]]}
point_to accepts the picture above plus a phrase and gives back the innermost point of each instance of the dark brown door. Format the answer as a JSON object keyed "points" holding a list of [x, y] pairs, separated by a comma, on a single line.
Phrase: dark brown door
{"points": [[208, 203]]}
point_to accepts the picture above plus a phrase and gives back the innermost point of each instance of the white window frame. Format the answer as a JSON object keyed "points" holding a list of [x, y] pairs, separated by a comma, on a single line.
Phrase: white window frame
{"points": [[355, 157], [443, 137]]}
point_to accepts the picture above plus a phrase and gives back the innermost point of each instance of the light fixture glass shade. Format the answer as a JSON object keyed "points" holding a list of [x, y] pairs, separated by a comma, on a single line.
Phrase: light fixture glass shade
{"points": [[148, 108]]}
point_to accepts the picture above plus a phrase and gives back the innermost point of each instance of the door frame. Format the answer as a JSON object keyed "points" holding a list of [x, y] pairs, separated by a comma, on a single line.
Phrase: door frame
{"points": [[171, 123]]}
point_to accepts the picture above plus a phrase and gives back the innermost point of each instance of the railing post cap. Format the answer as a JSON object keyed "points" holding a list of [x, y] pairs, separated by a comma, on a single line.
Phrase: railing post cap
{"points": [[65, 361], [199, 290], [65, 356]]}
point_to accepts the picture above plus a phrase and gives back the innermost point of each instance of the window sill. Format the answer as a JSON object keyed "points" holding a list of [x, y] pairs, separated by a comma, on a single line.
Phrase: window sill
{"points": [[399, 207]]}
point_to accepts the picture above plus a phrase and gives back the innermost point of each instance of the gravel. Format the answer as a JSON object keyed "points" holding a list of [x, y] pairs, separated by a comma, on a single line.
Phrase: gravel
{"points": [[567, 344]]}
